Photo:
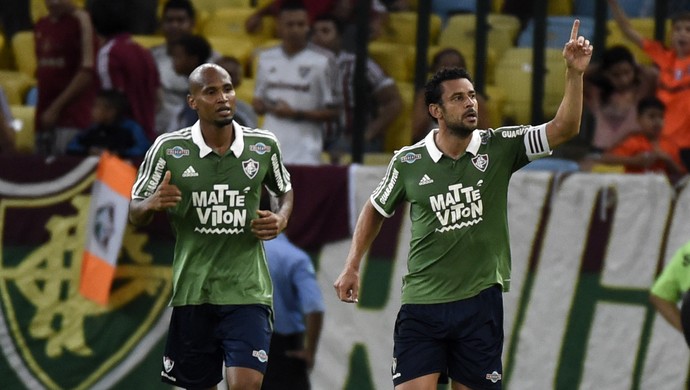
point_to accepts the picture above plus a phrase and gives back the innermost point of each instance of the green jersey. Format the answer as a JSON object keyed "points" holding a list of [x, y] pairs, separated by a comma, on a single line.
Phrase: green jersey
{"points": [[217, 258], [458, 208], [674, 280]]}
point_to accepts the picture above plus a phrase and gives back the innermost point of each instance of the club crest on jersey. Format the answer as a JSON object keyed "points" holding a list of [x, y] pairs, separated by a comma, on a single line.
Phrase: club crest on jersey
{"points": [[260, 148], [177, 152], [250, 168], [410, 157], [481, 161], [304, 71]]}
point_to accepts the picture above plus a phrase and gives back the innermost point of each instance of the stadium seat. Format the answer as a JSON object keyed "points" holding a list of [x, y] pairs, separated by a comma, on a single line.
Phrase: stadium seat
{"points": [[24, 53], [148, 41], [16, 85], [213, 5], [393, 58], [645, 26], [401, 27], [246, 90], [495, 100], [399, 133], [514, 79], [229, 23], [632, 8], [558, 30], [242, 50], [25, 137], [447, 8]]}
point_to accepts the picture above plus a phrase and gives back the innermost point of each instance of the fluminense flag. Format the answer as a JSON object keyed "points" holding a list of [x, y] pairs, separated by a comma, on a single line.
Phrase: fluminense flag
{"points": [[106, 226]]}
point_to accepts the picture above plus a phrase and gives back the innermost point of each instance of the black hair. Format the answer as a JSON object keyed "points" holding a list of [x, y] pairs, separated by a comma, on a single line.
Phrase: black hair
{"points": [[116, 100], [109, 17], [184, 5], [339, 26], [649, 103], [196, 46], [292, 5], [433, 89], [610, 57], [436, 59], [681, 17]]}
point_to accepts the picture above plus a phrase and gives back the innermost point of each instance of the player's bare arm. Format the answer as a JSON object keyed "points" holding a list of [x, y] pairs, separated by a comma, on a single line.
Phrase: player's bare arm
{"points": [[166, 196], [368, 227], [269, 223], [577, 53]]}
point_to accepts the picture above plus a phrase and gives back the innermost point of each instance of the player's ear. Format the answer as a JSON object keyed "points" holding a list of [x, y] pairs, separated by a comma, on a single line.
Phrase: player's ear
{"points": [[435, 110], [191, 101]]}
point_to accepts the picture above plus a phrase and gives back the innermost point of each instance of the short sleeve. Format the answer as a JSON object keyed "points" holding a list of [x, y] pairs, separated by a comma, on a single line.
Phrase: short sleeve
{"points": [[390, 192]]}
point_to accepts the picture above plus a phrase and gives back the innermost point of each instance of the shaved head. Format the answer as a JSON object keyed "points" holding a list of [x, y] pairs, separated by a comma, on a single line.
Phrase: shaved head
{"points": [[200, 76]]}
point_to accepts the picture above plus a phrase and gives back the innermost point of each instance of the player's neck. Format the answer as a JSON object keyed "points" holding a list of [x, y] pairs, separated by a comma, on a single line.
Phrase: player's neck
{"points": [[452, 145], [218, 139]]}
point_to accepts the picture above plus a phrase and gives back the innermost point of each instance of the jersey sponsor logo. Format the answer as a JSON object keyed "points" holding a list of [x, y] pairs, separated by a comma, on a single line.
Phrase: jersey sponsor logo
{"points": [[485, 135], [481, 162], [389, 188], [250, 167], [410, 157], [493, 377], [155, 178], [220, 211], [177, 152], [260, 148], [425, 180], [261, 355], [514, 133], [460, 207]]}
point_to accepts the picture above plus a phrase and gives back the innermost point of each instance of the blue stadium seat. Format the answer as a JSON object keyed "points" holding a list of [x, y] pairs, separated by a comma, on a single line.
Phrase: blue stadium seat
{"points": [[557, 31], [632, 8]]}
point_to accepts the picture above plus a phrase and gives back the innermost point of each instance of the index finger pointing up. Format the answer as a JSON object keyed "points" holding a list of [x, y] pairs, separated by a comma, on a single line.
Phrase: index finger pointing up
{"points": [[576, 27]]}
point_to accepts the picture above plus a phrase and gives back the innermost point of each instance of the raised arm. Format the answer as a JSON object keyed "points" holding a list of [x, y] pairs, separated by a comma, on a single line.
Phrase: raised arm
{"points": [[624, 23], [566, 124], [368, 227]]}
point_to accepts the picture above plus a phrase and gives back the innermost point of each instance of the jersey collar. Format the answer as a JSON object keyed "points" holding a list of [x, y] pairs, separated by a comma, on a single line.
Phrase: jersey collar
{"points": [[435, 152], [237, 145]]}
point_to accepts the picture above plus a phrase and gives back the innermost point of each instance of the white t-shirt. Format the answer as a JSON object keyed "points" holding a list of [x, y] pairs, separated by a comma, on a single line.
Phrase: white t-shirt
{"points": [[305, 81]]}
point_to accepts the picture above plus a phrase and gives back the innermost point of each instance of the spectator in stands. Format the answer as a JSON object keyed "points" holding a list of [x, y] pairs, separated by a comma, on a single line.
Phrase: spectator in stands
{"points": [[613, 88], [298, 308], [422, 121], [66, 46], [112, 130], [244, 113], [385, 102], [188, 52], [674, 72], [125, 65], [177, 20], [296, 89], [646, 150], [668, 289]]}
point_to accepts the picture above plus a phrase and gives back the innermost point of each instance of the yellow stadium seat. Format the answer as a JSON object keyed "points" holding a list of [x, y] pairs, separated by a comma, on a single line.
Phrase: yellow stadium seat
{"points": [[246, 90], [149, 41], [401, 27], [25, 138], [495, 100], [213, 5], [393, 58], [242, 50], [399, 133], [24, 53], [229, 23], [15, 85], [644, 26], [514, 78]]}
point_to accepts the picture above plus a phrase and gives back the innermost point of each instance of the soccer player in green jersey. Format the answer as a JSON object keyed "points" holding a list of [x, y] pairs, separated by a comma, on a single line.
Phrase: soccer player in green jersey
{"points": [[209, 178], [456, 181], [669, 287]]}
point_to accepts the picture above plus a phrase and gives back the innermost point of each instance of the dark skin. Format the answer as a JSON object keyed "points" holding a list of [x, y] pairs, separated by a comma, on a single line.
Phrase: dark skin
{"points": [[213, 97]]}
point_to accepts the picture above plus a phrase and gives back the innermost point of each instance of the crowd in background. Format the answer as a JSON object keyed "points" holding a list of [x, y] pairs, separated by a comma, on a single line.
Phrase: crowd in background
{"points": [[89, 48]]}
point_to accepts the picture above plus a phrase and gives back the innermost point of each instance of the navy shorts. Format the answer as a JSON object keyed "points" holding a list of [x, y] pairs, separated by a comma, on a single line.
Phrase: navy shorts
{"points": [[201, 337], [462, 340]]}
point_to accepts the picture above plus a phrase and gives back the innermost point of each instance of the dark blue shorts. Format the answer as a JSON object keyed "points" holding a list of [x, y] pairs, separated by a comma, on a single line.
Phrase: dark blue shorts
{"points": [[461, 339], [201, 337]]}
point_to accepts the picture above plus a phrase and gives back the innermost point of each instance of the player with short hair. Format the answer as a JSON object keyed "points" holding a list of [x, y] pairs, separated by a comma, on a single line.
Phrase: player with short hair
{"points": [[456, 181], [208, 178]]}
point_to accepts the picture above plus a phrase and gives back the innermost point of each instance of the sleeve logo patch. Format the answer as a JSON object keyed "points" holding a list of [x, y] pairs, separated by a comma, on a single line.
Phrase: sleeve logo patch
{"points": [[177, 152], [260, 148], [410, 157]]}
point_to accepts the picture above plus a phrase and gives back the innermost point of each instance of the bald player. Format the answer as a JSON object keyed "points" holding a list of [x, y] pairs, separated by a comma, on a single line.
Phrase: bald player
{"points": [[209, 178]]}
